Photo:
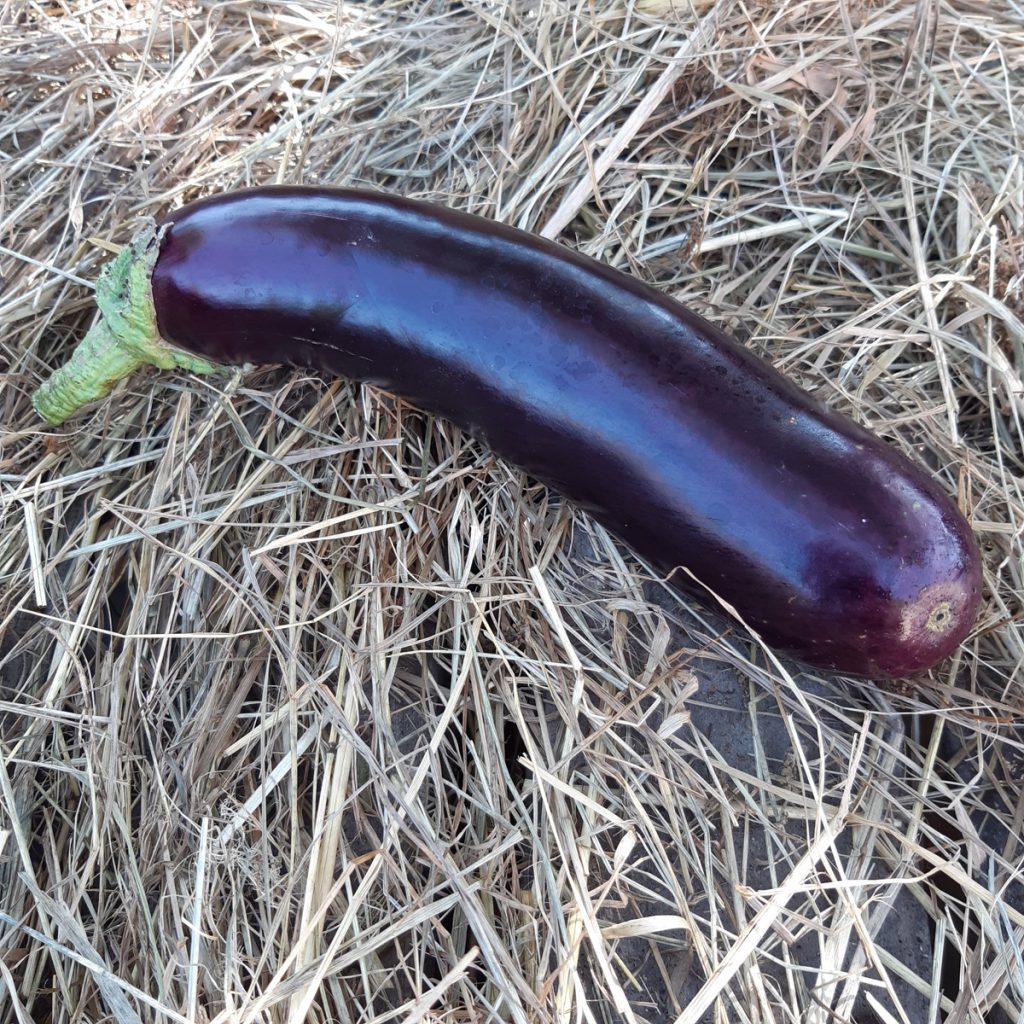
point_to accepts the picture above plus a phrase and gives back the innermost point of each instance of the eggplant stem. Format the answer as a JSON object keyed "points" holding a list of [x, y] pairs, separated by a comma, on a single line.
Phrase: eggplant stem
{"points": [[123, 338]]}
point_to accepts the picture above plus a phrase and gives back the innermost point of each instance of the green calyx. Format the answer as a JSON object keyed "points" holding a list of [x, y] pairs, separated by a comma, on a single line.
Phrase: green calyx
{"points": [[123, 338]]}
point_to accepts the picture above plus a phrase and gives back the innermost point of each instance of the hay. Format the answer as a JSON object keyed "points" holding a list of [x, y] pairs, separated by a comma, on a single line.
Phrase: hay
{"points": [[313, 710]]}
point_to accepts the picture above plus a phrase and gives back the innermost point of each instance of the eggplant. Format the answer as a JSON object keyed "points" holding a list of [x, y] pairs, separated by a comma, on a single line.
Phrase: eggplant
{"points": [[708, 463]]}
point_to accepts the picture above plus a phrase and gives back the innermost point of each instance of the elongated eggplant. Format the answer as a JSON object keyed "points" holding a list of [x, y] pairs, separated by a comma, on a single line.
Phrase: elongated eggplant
{"points": [[828, 542]]}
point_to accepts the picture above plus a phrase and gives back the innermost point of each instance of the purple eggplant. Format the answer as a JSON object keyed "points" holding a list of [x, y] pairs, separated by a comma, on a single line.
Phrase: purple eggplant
{"points": [[707, 462]]}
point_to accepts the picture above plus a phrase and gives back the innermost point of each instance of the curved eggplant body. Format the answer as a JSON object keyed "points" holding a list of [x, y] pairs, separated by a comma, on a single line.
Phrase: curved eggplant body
{"points": [[684, 444]]}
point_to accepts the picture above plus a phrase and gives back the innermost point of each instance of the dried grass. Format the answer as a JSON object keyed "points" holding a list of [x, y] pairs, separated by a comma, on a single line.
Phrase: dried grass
{"points": [[313, 710]]}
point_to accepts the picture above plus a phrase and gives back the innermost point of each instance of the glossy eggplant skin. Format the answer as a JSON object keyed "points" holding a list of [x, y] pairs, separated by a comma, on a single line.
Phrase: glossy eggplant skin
{"points": [[828, 542]]}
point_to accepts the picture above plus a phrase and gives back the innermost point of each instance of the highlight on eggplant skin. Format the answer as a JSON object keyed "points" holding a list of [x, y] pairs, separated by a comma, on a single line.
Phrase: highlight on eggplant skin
{"points": [[828, 542]]}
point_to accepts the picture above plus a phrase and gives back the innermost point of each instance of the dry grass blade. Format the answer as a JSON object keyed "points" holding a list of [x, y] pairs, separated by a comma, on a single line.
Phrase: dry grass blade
{"points": [[313, 710]]}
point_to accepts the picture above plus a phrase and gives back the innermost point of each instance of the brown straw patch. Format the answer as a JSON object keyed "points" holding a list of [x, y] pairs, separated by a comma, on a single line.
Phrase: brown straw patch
{"points": [[311, 709]]}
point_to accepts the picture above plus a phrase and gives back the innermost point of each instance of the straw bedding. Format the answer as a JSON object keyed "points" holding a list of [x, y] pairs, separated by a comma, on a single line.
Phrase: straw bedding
{"points": [[311, 709]]}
